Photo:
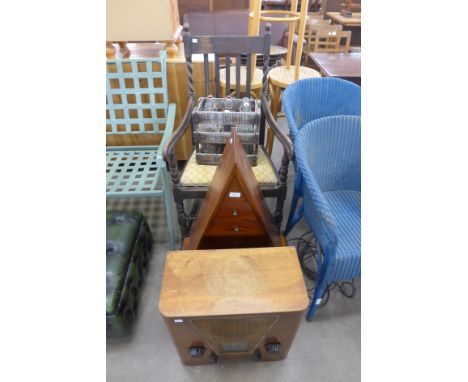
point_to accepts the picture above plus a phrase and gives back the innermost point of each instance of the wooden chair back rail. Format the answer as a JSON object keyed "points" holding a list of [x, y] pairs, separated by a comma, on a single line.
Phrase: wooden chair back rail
{"points": [[311, 35], [312, 28], [228, 47], [331, 41], [311, 32], [318, 22], [222, 44], [312, 24]]}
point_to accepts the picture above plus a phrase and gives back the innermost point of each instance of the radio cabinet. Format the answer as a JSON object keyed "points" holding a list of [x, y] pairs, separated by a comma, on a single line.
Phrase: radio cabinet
{"points": [[233, 304]]}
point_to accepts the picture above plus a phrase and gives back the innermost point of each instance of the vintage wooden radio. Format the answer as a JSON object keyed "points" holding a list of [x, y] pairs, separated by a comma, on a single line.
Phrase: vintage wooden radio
{"points": [[213, 119], [234, 213], [242, 303]]}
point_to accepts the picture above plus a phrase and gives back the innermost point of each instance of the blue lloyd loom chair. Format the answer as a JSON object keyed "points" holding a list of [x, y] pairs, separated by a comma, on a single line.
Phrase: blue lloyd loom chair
{"points": [[137, 113], [310, 99], [328, 155]]}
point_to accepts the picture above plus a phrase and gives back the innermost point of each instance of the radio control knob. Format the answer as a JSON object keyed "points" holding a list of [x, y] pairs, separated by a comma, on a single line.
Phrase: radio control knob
{"points": [[214, 358], [196, 351], [273, 347], [257, 356]]}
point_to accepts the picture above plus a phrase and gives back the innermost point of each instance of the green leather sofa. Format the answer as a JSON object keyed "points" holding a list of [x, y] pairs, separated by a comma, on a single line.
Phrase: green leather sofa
{"points": [[128, 247]]}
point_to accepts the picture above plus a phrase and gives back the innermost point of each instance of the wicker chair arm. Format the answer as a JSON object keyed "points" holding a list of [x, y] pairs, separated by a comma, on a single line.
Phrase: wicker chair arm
{"points": [[318, 214], [282, 137]]}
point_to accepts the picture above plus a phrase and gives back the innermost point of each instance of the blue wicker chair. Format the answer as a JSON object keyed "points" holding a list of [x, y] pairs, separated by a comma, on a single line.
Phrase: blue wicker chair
{"points": [[310, 99], [328, 155]]}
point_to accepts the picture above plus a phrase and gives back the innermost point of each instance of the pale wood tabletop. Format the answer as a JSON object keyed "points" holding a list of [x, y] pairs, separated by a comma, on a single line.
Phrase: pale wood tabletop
{"points": [[232, 281]]}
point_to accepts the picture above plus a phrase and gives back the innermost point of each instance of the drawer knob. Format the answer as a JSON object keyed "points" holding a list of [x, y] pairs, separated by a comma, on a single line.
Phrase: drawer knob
{"points": [[236, 229], [234, 212]]}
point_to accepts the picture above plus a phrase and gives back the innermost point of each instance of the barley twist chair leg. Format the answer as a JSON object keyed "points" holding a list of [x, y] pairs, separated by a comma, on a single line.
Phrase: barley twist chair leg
{"points": [[278, 217], [169, 209], [283, 177], [182, 219]]}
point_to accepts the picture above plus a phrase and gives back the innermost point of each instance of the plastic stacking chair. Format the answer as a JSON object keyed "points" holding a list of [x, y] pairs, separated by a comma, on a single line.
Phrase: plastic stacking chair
{"points": [[310, 99], [328, 154]]}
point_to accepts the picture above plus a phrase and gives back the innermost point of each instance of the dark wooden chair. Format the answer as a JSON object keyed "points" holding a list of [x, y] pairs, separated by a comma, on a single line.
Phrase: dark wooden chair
{"points": [[192, 183]]}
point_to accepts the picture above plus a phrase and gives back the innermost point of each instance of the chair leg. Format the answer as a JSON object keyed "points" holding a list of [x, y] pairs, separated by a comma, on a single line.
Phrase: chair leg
{"points": [[182, 219], [319, 291], [295, 214], [282, 177], [169, 209], [291, 221], [279, 211], [321, 283]]}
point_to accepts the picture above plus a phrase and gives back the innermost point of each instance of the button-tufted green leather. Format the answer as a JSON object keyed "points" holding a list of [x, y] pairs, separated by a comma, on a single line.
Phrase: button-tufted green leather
{"points": [[128, 245]]}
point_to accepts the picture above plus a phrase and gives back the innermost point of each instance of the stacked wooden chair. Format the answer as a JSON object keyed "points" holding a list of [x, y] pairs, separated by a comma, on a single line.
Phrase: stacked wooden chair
{"points": [[331, 41], [328, 38]]}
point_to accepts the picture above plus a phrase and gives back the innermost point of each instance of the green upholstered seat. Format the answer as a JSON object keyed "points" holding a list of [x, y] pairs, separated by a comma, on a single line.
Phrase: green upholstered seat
{"points": [[128, 246]]}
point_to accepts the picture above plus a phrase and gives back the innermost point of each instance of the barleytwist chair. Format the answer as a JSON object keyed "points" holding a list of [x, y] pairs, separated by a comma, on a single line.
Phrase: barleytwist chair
{"points": [[195, 179], [138, 123], [328, 155], [310, 99]]}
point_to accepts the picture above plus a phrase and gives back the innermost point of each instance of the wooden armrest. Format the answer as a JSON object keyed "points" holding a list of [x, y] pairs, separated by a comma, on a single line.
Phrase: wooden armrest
{"points": [[282, 137], [179, 132], [169, 126]]}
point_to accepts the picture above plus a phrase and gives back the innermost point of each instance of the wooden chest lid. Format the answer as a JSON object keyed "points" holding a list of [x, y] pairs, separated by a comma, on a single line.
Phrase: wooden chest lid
{"points": [[222, 282]]}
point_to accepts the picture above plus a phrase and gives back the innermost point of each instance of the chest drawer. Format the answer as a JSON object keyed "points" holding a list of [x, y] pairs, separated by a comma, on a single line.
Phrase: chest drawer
{"points": [[235, 226]]}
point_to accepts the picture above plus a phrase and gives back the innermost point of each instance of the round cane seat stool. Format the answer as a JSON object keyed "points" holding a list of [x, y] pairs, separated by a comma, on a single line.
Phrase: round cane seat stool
{"points": [[282, 76], [256, 82], [279, 79]]}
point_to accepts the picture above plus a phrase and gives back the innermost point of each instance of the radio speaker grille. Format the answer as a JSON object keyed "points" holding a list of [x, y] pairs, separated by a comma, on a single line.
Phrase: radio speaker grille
{"points": [[240, 335]]}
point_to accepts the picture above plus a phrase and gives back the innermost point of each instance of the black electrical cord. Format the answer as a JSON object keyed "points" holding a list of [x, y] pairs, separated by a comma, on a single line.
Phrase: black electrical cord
{"points": [[306, 248]]}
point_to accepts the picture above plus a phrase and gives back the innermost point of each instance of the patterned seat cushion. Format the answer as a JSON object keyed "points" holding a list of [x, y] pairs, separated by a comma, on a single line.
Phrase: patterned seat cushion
{"points": [[201, 175]]}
